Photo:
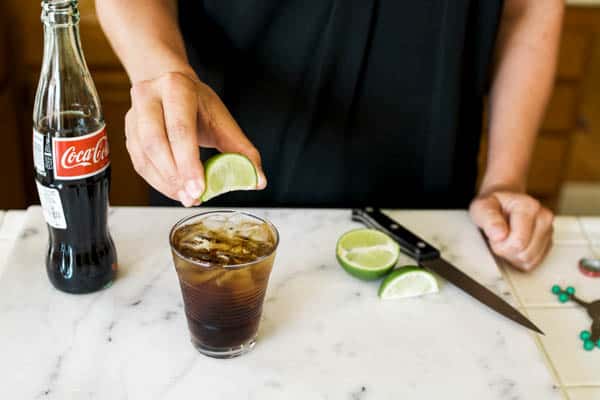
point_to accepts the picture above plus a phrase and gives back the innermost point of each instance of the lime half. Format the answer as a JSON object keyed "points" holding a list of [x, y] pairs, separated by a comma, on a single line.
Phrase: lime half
{"points": [[367, 253], [227, 172], [409, 281]]}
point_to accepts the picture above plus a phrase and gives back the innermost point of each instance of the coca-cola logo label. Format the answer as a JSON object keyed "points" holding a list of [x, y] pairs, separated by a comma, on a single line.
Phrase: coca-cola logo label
{"points": [[80, 157]]}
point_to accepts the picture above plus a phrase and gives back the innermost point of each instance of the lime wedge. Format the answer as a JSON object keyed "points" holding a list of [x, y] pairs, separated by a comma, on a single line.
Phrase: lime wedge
{"points": [[367, 253], [409, 281], [227, 172]]}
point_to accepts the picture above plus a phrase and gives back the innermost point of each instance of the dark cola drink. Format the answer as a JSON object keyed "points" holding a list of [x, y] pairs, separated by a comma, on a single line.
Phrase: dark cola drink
{"points": [[71, 159], [223, 260]]}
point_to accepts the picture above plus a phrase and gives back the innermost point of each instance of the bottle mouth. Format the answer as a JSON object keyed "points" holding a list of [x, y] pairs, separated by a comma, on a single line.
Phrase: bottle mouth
{"points": [[56, 5], [60, 12]]}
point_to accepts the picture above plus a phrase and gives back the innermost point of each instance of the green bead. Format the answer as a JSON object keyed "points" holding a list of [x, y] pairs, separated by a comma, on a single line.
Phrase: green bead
{"points": [[598, 343], [588, 345], [585, 335], [571, 290], [563, 297], [556, 289]]}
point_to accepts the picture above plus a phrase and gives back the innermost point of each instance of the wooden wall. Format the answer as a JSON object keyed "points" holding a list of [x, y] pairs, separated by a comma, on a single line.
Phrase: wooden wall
{"points": [[584, 164], [23, 21], [12, 187], [565, 120], [21, 47]]}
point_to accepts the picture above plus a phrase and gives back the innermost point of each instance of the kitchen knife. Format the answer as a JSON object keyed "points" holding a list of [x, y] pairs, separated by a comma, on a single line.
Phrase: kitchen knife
{"points": [[429, 258]]}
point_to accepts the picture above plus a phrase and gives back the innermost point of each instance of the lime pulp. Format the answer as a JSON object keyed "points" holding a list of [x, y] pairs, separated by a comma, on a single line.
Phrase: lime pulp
{"points": [[227, 172], [367, 254]]}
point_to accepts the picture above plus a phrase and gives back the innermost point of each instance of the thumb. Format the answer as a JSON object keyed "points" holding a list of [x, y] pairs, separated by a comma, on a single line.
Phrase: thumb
{"points": [[487, 214]]}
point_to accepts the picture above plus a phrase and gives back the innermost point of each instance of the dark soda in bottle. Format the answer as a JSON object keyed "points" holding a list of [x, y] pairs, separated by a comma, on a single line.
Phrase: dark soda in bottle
{"points": [[71, 159]]}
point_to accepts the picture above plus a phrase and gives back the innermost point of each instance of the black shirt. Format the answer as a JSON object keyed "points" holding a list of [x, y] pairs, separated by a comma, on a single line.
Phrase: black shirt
{"points": [[351, 102]]}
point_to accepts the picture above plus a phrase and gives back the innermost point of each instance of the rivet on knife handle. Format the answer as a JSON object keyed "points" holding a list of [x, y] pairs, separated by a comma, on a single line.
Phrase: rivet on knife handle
{"points": [[410, 244]]}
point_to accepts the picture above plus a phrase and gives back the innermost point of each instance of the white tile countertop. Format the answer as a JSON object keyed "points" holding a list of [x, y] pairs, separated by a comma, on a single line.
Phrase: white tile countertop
{"points": [[323, 334], [575, 370]]}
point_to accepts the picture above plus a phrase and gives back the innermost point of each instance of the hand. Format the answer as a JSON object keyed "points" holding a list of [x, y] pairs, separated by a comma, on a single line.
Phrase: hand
{"points": [[171, 116], [518, 228]]}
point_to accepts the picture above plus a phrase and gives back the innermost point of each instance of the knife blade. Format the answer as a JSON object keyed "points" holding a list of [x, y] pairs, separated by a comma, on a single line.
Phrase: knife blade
{"points": [[430, 258]]}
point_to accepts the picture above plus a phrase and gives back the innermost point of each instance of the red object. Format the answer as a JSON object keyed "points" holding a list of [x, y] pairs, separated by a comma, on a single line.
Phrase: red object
{"points": [[81, 156], [589, 272]]}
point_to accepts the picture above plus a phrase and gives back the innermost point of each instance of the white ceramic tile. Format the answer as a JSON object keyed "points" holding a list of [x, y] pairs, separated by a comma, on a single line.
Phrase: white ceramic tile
{"points": [[324, 333], [584, 393], [567, 230], [591, 228], [560, 267], [11, 224], [562, 326]]}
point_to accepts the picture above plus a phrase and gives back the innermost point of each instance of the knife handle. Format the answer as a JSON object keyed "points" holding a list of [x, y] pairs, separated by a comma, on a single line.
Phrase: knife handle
{"points": [[410, 244]]}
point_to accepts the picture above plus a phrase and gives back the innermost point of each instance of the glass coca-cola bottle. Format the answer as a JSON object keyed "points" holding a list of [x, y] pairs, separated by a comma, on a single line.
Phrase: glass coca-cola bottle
{"points": [[71, 159]]}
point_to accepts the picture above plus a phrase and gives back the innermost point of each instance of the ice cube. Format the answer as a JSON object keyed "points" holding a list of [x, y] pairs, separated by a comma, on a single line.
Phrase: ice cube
{"points": [[257, 231], [186, 233], [195, 243], [215, 222], [230, 224], [262, 233], [222, 257], [225, 240]]}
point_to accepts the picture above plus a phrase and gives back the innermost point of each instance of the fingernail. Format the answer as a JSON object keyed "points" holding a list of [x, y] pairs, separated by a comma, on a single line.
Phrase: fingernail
{"points": [[194, 188], [184, 198], [262, 181]]}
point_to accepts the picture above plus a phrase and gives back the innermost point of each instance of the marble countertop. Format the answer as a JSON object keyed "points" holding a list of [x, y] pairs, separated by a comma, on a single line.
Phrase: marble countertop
{"points": [[10, 226], [324, 335]]}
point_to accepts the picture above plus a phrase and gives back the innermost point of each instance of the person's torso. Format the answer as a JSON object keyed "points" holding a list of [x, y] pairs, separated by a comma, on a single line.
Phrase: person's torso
{"points": [[351, 102]]}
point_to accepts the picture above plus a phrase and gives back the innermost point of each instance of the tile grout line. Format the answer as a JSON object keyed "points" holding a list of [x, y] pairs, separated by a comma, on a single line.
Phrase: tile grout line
{"points": [[590, 245], [552, 307], [548, 361], [563, 387], [588, 239], [538, 342], [587, 386]]}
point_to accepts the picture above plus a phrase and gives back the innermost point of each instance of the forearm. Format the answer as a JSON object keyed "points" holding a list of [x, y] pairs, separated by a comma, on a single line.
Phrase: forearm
{"points": [[145, 35], [526, 54]]}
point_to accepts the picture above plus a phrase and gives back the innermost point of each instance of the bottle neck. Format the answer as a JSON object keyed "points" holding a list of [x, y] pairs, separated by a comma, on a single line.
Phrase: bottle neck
{"points": [[62, 45], [66, 94]]}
